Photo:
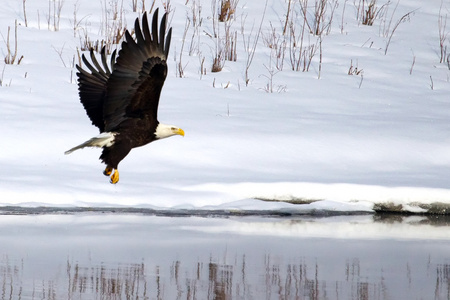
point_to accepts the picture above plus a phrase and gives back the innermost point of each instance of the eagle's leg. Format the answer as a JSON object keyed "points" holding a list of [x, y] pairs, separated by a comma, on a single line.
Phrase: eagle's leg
{"points": [[112, 155], [115, 177], [108, 171]]}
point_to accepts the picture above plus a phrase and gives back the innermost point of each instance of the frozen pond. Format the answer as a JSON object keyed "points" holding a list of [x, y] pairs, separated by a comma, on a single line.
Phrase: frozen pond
{"points": [[135, 256]]}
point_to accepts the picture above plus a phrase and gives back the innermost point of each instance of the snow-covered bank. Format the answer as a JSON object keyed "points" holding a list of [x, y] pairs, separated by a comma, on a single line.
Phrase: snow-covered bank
{"points": [[377, 140]]}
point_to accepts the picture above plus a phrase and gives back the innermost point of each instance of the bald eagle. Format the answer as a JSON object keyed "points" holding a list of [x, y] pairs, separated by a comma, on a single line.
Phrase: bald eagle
{"points": [[122, 100]]}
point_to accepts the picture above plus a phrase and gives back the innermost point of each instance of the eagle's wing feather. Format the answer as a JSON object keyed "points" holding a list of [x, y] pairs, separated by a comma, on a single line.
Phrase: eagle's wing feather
{"points": [[92, 86], [134, 87]]}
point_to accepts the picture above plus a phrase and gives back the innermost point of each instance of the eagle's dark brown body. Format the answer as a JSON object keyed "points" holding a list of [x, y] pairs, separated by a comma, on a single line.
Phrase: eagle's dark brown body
{"points": [[122, 100], [133, 133]]}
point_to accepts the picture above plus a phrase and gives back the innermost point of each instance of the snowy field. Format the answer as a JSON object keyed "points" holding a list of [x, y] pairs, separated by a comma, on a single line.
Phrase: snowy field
{"points": [[365, 128]]}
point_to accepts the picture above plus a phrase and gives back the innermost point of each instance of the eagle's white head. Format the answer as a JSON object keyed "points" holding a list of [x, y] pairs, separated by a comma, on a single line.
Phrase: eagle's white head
{"points": [[163, 131]]}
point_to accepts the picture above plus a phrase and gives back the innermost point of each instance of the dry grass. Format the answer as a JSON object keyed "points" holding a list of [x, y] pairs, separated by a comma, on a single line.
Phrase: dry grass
{"points": [[352, 70], [218, 61], [276, 42], [54, 14], [113, 27], [227, 9], [136, 7], [11, 55], [443, 34]]}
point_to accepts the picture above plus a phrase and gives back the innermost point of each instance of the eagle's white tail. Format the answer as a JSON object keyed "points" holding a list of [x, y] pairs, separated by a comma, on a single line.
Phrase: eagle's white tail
{"points": [[101, 140]]}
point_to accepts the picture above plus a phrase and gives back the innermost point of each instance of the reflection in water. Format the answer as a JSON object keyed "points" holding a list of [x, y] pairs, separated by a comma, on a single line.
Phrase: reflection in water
{"points": [[442, 281], [209, 281], [148, 261], [108, 282]]}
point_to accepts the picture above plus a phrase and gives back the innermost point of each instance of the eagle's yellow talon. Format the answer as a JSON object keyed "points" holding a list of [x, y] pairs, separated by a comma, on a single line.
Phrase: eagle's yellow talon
{"points": [[108, 171], [115, 177]]}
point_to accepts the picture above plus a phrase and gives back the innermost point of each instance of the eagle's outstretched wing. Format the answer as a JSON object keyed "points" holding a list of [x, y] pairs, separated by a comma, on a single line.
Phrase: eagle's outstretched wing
{"points": [[92, 86], [134, 86]]}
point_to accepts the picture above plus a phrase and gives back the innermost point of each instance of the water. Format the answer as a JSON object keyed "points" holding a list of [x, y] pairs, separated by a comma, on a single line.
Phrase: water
{"points": [[131, 256]]}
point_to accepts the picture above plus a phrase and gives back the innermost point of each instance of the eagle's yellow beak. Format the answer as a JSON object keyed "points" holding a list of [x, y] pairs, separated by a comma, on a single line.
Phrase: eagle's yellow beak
{"points": [[179, 131]]}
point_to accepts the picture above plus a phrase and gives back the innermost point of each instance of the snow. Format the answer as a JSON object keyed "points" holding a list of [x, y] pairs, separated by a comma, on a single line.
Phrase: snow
{"points": [[342, 143]]}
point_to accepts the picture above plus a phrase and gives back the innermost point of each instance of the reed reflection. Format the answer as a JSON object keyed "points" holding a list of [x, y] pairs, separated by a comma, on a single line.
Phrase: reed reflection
{"points": [[218, 280]]}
